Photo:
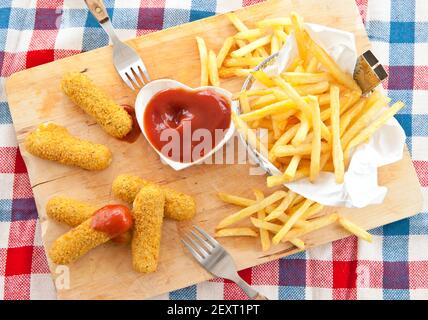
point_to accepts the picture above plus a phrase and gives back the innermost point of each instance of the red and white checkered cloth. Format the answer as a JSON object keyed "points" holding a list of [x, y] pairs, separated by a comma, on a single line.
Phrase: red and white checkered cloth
{"points": [[395, 266]]}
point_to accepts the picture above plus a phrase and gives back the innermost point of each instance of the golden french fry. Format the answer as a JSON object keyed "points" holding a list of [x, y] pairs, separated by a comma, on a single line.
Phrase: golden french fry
{"points": [[249, 34], [283, 140], [312, 65], [338, 162], [253, 92], [250, 47], [243, 62], [263, 78], [296, 22], [354, 229], [363, 121], [313, 225], [203, 55], [313, 88], [285, 203], [264, 234], [301, 150], [264, 101], [300, 78], [298, 243], [282, 36], [249, 134], [313, 210], [294, 63], [233, 72], [243, 102], [290, 172], [235, 232], [367, 132], [272, 109], [301, 134], [239, 201], [224, 51], [239, 25], [323, 57], [316, 140], [212, 69], [348, 116], [347, 99], [273, 181], [323, 100], [247, 212], [269, 226], [274, 44], [291, 221], [274, 22]]}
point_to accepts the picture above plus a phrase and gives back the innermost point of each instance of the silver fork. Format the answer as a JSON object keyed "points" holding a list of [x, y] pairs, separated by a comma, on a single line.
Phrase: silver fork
{"points": [[215, 259], [126, 60]]}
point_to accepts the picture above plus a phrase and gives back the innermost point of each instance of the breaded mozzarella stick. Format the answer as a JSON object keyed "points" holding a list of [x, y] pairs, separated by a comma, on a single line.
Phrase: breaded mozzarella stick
{"points": [[53, 142], [95, 102], [178, 206], [148, 214], [73, 212]]}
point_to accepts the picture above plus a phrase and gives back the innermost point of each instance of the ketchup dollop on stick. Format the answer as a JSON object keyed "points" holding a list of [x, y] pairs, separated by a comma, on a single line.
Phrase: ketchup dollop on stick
{"points": [[113, 219]]}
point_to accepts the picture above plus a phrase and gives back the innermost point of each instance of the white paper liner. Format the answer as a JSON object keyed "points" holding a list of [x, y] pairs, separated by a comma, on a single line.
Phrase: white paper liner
{"points": [[360, 187]]}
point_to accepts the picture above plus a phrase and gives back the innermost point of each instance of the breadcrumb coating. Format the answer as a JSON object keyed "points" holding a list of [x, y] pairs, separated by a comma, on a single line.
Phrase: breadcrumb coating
{"points": [[73, 212], [76, 243], [69, 211], [53, 142], [148, 211], [178, 206], [95, 102]]}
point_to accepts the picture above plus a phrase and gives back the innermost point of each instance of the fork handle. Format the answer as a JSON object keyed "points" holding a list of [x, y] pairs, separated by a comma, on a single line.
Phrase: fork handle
{"points": [[98, 10], [250, 292]]}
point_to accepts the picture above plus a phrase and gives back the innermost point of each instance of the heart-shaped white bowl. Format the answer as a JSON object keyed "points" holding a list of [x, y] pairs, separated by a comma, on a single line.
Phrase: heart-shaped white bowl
{"points": [[152, 88]]}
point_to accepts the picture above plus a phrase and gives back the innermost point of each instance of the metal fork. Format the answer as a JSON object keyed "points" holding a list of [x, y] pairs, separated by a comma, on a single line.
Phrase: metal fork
{"points": [[215, 259], [126, 60]]}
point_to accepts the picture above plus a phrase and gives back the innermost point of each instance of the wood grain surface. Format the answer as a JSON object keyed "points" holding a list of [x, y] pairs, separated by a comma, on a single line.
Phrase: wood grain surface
{"points": [[106, 273]]}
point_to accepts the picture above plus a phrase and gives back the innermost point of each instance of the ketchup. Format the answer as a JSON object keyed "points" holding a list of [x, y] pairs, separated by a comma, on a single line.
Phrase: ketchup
{"points": [[133, 135], [184, 112], [112, 219]]}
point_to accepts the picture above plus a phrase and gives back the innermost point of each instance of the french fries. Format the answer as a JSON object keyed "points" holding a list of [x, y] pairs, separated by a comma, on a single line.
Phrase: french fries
{"points": [[261, 214], [285, 216], [356, 230], [224, 51], [203, 55], [246, 49], [314, 111], [315, 115], [338, 162], [212, 69], [316, 140], [236, 232], [248, 211]]}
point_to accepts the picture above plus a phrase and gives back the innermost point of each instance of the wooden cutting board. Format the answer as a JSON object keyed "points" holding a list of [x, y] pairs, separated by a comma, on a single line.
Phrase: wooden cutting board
{"points": [[34, 97]]}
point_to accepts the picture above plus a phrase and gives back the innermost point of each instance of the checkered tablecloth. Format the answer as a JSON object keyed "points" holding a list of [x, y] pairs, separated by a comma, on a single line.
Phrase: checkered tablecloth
{"points": [[395, 266]]}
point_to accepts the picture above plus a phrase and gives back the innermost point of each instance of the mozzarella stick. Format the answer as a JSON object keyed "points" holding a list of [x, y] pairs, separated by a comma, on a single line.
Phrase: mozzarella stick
{"points": [[69, 211], [76, 243], [178, 206], [53, 142], [95, 102], [105, 224], [148, 211], [73, 212]]}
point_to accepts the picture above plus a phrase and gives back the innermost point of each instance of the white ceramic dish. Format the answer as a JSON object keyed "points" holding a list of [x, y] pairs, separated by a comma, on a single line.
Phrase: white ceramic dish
{"points": [[152, 88]]}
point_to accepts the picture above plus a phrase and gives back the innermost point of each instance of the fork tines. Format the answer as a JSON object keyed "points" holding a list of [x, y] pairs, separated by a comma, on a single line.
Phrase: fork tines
{"points": [[200, 244], [130, 75]]}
